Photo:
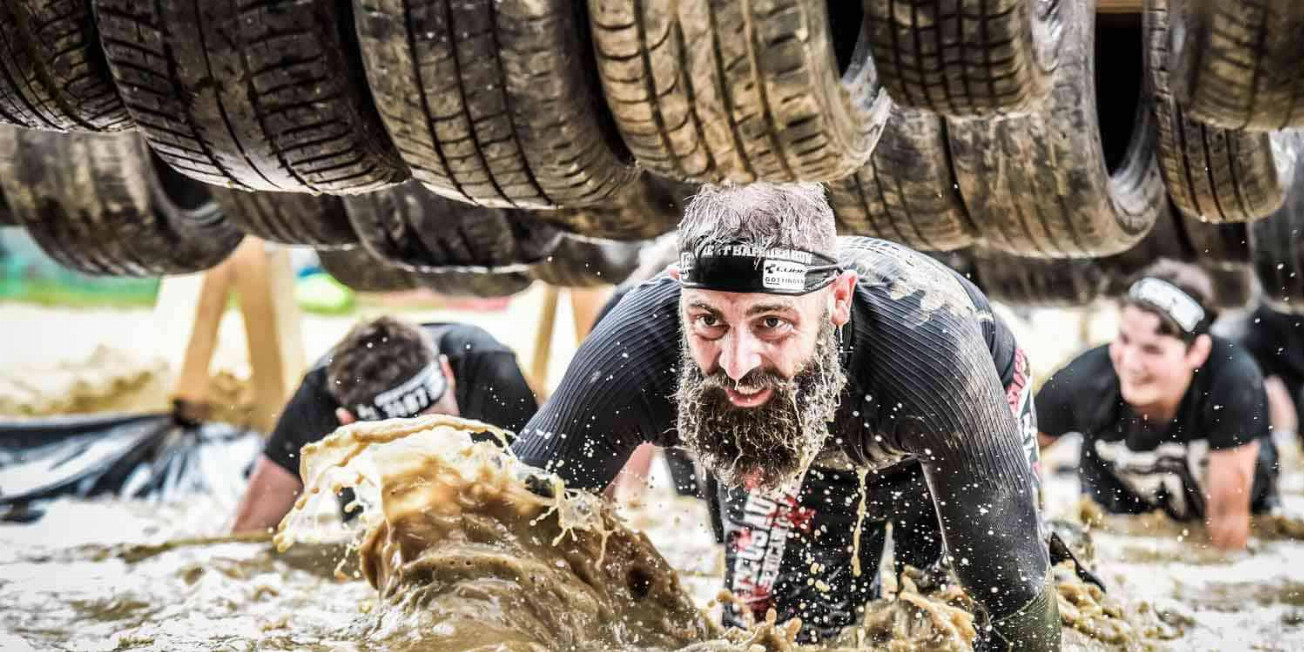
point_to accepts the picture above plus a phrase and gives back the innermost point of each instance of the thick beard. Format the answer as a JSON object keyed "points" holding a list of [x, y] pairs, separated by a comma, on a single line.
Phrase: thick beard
{"points": [[768, 447]]}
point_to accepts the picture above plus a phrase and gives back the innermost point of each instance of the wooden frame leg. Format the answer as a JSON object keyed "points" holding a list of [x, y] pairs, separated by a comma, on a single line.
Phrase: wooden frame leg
{"points": [[264, 283]]}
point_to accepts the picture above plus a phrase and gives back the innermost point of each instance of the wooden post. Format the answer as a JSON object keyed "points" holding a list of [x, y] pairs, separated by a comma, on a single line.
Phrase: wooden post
{"points": [[585, 305], [264, 283], [543, 343], [1119, 6]]}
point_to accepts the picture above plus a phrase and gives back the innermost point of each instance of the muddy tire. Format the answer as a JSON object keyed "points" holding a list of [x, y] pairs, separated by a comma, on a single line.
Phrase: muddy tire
{"points": [[906, 192], [650, 207], [1277, 242], [1020, 281], [360, 271], [289, 218], [53, 75], [582, 263], [411, 227], [716, 90], [96, 203], [1041, 185], [964, 57], [491, 101], [253, 96], [1217, 174], [1216, 245], [1236, 63]]}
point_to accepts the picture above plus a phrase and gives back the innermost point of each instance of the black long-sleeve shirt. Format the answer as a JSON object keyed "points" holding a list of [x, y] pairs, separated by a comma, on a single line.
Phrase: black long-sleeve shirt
{"points": [[927, 363]]}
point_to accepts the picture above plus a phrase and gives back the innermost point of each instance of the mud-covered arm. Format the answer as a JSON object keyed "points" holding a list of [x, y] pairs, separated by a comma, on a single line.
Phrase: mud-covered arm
{"points": [[953, 417], [616, 393]]}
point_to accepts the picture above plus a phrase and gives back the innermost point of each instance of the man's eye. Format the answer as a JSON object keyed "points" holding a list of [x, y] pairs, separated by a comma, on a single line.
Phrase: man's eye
{"points": [[708, 321], [771, 322]]}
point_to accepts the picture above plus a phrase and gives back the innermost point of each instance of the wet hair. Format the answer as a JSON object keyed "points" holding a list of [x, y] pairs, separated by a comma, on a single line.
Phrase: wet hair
{"points": [[1189, 279], [795, 216], [375, 356]]}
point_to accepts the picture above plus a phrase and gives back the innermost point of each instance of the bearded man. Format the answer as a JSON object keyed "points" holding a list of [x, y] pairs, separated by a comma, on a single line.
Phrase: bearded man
{"points": [[797, 365]]}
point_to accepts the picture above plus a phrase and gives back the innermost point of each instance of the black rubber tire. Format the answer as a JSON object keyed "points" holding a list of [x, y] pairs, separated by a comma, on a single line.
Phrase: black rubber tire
{"points": [[1027, 282], [907, 192], [716, 90], [1236, 63], [411, 227], [290, 218], [581, 263], [493, 102], [96, 204], [1038, 184], [1218, 174], [1277, 242], [646, 209], [53, 75], [964, 57], [1233, 287], [359, 270], [1216, 245], [256, 96]]}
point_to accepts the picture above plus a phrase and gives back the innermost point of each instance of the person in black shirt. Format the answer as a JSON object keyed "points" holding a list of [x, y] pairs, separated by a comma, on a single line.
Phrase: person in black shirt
{"points": [[1276, 340], [383, 369], [1172, 418], [794, 364]]}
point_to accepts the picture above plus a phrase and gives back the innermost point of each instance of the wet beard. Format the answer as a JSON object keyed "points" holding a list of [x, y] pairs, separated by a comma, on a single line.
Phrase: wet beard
{"points": [[770, 446]]}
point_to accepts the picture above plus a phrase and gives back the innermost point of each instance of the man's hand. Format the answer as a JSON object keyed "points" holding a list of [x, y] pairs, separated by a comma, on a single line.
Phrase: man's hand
{"points": [[1231, 476], [271, 493]]}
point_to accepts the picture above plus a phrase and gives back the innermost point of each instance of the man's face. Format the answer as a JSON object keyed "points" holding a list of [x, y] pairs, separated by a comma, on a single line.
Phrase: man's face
{"points": [[760, 378], [1153, 369]]}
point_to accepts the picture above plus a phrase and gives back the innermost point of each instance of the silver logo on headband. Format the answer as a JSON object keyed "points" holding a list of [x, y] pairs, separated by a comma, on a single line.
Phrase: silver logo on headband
{"points": [[783, 275], [410, 398], [1169, 298]]}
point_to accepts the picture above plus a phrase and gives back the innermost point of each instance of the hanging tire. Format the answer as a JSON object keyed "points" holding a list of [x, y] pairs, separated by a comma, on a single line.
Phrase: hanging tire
{"points": [[964, 57], [1236, 63], [648, 208], [491, 101], [582, 263], [359, 270], [1216, 245], [289, 218], [716, 90], [907, 191], [1046, 184], [96, 204], [1220, 175], [53, 75], [409, 226], [264, 96], [1277, 242], [1026, 282]]}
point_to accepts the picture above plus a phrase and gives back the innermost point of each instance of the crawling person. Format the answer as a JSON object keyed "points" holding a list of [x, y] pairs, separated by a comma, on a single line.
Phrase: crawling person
{"points": [[794, 363], [383, 369], [1172, 418]]}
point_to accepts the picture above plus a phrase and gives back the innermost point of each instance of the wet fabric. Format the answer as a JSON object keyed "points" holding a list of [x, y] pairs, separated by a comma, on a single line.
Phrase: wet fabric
{"points": [[1276, 341], [927, 364], [1132, 466], [489, 386]]}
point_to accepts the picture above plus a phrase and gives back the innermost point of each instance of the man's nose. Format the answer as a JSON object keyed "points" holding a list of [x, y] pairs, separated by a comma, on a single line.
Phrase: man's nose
{"points": [[741, 354]]}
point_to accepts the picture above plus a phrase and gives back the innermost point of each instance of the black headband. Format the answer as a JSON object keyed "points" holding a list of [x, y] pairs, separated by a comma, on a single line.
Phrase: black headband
{"points": [[409, 398], [746, 268], [1170, 300]]}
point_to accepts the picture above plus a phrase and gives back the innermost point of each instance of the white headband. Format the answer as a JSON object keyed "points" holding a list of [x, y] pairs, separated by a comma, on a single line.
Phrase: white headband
{"points": [[1170, 299]]}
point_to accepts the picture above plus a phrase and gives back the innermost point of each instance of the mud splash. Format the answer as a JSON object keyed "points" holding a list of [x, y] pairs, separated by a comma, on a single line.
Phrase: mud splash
{"points": [[465, 556]]}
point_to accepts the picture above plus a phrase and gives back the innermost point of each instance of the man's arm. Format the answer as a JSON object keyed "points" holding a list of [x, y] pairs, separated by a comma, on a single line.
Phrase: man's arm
{"points": [[271, 493], [616, 393], [1231, 477]]}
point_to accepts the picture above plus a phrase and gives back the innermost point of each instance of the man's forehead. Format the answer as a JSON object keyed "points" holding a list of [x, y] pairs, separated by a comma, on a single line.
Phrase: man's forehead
{"points": [[1141, 324]]}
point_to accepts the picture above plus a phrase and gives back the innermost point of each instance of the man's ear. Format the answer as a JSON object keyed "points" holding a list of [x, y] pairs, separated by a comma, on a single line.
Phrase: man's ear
{"points": [[673, 271], [345, 417], [1199, 351], [844, 287], [448, 370]]}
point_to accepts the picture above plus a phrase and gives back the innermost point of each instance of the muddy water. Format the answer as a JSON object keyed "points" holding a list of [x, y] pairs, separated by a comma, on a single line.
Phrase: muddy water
{"points": [[132, 576]]}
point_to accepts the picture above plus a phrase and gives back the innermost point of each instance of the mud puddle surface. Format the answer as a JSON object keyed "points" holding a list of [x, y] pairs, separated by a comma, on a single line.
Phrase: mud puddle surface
{"points": [[454, 552]]}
